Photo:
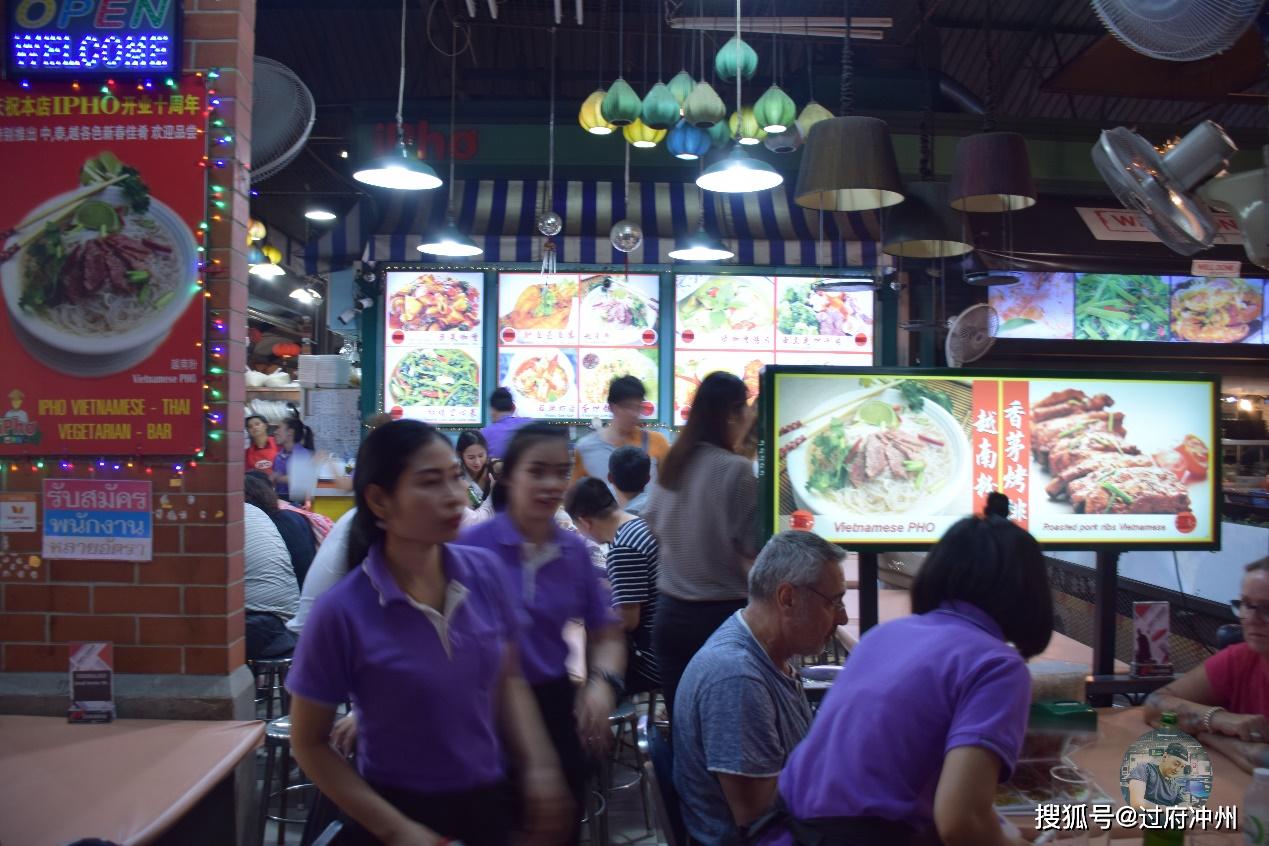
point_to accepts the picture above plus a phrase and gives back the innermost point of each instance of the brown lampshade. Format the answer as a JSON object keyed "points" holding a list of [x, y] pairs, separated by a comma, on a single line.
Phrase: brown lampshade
{"points": [[848, 164], [992, 173], [924, 226]]}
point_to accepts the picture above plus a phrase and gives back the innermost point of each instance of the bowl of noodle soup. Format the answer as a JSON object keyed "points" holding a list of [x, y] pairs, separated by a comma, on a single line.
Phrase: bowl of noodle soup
{"points": [[915, 462], [114, 296]]}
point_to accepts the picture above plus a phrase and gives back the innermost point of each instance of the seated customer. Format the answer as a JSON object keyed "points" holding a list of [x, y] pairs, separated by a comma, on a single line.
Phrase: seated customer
{"points": [[291, 525], [629, 471], [740, 708], [631, 565], [1225, 700], [272, 593], [930, 711]]}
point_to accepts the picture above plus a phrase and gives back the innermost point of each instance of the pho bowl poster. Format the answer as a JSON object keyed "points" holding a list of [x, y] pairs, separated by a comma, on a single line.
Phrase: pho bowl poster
{"points": [[102, 324]]}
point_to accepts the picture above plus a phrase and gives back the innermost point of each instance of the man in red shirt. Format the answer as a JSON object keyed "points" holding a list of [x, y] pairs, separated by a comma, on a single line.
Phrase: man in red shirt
{"points": [[1225, 701]]}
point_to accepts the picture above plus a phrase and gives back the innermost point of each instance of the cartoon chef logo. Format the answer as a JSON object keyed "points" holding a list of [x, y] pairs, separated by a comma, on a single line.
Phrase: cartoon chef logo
{"points": [[16, 426]]}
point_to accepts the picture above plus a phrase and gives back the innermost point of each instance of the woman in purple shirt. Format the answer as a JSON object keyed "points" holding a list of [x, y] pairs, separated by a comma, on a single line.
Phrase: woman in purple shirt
{"points": [[930, 712], [549, 571], [421, 637]]}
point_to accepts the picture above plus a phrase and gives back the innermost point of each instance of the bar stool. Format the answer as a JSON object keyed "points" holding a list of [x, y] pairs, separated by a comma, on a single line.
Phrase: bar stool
{"points": [[625, 719], [271, 672], [277, 764]]}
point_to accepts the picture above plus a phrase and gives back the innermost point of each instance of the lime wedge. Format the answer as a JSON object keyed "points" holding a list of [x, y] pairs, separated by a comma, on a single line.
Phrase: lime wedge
{"points": [[96, 215], [878, 413]]}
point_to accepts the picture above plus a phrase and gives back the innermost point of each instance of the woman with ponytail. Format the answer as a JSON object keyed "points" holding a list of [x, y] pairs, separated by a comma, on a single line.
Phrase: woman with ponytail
{"points": [[421, 636]]}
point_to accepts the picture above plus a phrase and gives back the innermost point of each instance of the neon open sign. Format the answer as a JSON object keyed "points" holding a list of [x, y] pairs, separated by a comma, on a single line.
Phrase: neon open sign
{"points": [[87, 38]]}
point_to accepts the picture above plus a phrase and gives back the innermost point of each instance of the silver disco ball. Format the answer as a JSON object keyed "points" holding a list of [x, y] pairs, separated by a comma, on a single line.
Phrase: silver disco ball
{"points": [[626, 236], [550, 223]]}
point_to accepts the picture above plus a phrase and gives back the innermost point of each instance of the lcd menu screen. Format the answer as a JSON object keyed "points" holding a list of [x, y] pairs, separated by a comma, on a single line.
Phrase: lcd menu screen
{"points": [[563, 338], [739, 324], [890, 459], [433, 335], [1122, 307]]}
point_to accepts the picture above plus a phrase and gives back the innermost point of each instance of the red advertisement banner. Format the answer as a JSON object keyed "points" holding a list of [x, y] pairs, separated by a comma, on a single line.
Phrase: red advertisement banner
{"points": [[101, 337], [984, 442], [1015, 454]]}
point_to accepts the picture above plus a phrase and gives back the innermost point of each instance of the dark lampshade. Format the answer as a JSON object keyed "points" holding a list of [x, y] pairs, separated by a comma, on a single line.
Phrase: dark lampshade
{"points": [[848, 164], [924, 226], [992, 173]]}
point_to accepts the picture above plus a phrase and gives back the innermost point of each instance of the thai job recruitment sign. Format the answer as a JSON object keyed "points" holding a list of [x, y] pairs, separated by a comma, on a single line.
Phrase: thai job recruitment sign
{"points": [[890, 459], [98, 520], [101, 331], [83, 39]]}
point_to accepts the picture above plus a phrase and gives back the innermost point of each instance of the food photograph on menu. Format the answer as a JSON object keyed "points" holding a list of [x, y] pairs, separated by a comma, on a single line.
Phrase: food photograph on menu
{"points": [[739, 324], [433, 337], [876, 457], [563, 338], [1039, 305], [1217, 310], [1119, 307]]}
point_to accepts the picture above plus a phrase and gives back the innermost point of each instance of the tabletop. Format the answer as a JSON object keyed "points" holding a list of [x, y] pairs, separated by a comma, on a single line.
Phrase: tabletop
{"points": [[126, 781]]}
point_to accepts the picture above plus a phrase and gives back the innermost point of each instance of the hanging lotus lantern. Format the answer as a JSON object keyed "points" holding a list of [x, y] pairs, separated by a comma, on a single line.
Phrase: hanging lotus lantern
{"points": [[687, 142], [591, 117], [660, 109], [812, 113], [775, 110], [735, 57], [621, 105], [784, 142], [704, 107], [681, 86], [720, 134], [255, 231], [744, 127], [640, 135]]}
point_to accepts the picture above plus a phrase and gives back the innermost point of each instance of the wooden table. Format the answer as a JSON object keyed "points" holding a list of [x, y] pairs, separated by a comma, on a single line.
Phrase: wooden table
{"points": [[128, 781], [894, 604]]}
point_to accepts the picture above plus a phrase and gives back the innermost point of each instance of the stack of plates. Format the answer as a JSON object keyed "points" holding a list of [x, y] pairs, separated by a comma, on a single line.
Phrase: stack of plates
{"points": [[324, 371]]}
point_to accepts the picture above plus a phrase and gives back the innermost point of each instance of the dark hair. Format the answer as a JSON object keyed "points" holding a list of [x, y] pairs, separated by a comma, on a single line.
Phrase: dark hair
{"points": [[303, 434], [1257, 566], [525, 438], [469, 438], [998, 567], [381, 461], [257, 491], [501, 400], [629, 469], [251, 417], [589, 498], [626, 388], [997, 504], [717, 399]]}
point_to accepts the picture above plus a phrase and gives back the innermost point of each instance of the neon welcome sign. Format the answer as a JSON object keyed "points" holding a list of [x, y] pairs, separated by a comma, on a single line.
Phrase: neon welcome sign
{"points": [[90, 38]]}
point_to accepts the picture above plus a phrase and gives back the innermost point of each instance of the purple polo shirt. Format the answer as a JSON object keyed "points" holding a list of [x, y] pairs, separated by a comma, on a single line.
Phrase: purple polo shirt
{"points": [[566, 587], [423, 684], [498, 434], [913, 690]]}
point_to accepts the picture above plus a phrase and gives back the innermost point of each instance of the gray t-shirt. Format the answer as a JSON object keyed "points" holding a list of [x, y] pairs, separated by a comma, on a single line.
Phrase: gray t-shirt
{"points": [[706, 527], [735, 712], [269, 580], [1159, 790]]}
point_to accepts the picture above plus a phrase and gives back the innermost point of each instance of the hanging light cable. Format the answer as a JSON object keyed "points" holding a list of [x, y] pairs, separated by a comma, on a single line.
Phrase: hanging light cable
{"points": [[449, 241], [738, 173], [399, 170]]}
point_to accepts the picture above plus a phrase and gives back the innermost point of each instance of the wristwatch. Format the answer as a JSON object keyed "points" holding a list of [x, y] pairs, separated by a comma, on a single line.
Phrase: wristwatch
{"points": [[612, 680]]}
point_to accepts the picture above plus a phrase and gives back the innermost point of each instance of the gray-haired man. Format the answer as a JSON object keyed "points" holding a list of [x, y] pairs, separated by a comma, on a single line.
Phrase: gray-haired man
{"points": [[740, 709]]}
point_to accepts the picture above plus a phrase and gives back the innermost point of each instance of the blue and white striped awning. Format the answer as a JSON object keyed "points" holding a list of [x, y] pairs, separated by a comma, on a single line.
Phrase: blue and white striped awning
{"points": [[765, 228]]}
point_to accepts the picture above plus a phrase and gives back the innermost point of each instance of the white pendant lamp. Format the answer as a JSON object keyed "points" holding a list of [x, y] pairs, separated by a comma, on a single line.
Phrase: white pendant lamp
{"points": [[449, 241], [400, 170], [701, 246]]}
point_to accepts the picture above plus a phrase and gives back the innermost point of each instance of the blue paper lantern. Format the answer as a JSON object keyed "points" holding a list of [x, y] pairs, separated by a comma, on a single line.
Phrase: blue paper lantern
{"points": [[687, 142]]}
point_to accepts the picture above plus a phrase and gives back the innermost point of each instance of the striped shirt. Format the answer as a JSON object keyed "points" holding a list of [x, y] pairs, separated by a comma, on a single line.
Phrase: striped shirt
{"points": [[632, 573], [270, 583], [707, 528]]}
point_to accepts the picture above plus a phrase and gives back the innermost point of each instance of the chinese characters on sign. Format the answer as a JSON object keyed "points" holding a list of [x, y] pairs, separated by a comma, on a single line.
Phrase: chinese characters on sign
{"points": [[97, 520], [1102, 815]]}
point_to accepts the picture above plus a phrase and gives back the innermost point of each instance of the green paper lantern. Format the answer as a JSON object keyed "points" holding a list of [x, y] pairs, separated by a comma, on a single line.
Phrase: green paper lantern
{"points": [[775, 110], [735, 57], [681, 86], [704, 107], [719, 134], [621, 105], [660, 109], [744, 127], [812, 113]]}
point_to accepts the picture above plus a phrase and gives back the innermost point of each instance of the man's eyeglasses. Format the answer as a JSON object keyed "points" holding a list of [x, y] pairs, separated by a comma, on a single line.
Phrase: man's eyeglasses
{"points": [[834, 602], [1242, 608]]}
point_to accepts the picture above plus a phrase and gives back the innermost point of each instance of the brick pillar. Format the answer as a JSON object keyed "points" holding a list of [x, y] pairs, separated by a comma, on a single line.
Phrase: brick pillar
{"points": [[177, 621]]}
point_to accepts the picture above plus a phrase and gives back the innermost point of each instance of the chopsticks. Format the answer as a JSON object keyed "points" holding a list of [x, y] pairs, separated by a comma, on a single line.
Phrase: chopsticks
{"points": [[52, 215]]}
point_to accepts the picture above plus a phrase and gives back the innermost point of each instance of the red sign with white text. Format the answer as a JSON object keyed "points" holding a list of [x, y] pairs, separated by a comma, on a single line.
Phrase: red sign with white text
{"points": [[102, 330]]}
